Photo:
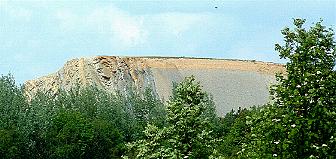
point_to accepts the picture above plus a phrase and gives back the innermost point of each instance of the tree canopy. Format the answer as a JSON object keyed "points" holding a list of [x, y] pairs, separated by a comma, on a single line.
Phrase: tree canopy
{"points": [[189, 133], [301, 122]]}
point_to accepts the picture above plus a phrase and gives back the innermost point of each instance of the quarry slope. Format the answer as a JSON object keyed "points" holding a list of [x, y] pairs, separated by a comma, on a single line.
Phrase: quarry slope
{"points": [[233, 83]]}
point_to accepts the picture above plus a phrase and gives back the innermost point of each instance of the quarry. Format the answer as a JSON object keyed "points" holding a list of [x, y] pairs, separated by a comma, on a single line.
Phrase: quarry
{"points": [[231, 83]]}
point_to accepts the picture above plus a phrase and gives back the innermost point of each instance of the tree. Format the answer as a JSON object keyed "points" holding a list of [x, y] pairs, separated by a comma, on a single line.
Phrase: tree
{"points": [[12, 101], [83, 122], [12, 104], [146, 108], [188, 134], [235, 132], [302, 121]]}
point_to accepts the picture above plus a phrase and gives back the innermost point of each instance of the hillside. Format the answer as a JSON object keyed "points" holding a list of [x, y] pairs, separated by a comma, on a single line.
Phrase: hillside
{"points": [[233, 83]]}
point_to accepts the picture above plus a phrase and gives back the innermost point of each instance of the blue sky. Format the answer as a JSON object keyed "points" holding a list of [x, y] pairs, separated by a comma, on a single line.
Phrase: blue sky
{"points": [[38, 37]]}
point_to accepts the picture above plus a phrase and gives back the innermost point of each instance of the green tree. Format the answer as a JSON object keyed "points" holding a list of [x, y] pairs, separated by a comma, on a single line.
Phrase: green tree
{"points": [[73, 135], [188, 134], [236, 130], [145, 108], [79, 123], [36, 121], [70, 135], [302, 121], [12, 105], [12, 101]]}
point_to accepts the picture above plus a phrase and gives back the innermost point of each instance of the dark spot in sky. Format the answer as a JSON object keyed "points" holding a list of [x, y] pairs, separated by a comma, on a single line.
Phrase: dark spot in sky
{"points": [[216, 7]]}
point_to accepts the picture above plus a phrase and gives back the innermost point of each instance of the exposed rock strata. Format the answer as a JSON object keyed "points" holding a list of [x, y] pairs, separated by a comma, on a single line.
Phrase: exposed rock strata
{"points": [[233, 83]]}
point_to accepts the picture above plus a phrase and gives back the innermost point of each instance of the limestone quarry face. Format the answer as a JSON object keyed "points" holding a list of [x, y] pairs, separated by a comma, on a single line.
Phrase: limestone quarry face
{"points": [[232, 83]]}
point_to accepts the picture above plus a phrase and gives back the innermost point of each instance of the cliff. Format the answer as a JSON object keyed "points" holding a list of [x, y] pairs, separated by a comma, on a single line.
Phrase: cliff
{"points": [[233, 83]]}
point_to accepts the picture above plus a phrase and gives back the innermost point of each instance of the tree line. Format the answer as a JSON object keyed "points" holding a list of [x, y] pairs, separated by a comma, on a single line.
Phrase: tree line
{"points": [[299, 122]]}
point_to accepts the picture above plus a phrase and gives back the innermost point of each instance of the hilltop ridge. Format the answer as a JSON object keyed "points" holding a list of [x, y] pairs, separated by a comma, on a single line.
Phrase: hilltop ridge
{"points": [[233, 83]]}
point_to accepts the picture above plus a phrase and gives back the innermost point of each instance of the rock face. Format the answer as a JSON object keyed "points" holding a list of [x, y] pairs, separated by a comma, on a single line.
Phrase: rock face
{"points": [[233, 83]]}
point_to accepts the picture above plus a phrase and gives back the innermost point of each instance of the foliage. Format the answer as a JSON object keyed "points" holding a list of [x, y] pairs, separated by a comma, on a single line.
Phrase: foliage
{"points": [[301, 122], [75, 136], [225, 123], [145, 108], [70, 135], [188, 133], [79, 123], [236, 130], [12, 104]]}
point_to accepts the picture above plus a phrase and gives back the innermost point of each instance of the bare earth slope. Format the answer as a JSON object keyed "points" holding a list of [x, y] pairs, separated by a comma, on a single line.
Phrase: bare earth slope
{"points": [[233, 83]]}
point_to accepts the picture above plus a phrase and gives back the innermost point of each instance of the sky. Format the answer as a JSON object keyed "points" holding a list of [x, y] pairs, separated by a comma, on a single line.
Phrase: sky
{"points": [[38, 37]]}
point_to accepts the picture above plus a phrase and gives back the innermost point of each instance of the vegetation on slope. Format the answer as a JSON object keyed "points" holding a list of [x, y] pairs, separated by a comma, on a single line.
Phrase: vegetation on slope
{"points": [[81, 123]]}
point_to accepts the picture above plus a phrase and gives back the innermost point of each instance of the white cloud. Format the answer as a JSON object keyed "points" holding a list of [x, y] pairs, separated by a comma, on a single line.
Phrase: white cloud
{"points": [[67, 20], [22, 13], [3, 2], [129, 30], [16, 12], [121, 26], [177, 23]]}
